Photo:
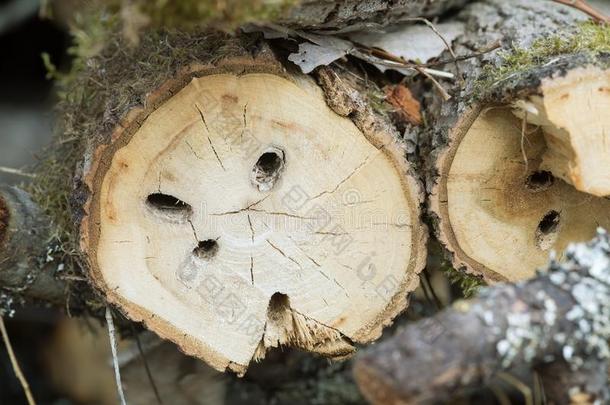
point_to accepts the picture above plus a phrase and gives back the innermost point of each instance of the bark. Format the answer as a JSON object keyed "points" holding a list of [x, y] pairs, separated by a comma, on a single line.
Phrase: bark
{"points": [[497, 175], [359, 14], [557, 322], [329, 16], [24, 232]]}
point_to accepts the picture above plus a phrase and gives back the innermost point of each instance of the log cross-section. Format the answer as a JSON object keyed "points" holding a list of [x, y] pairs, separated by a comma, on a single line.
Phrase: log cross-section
{"points": [[502, 212], [574, 113], [238, 212]]}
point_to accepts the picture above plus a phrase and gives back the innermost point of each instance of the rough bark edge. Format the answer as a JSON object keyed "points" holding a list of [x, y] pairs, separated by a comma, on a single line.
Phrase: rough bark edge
{"points": [[438, 206], [101, 158], [359, 14], [347, 101]]}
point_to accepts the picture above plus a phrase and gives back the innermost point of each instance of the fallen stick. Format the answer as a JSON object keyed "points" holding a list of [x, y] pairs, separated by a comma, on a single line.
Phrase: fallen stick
{"points": [[15, 363]]}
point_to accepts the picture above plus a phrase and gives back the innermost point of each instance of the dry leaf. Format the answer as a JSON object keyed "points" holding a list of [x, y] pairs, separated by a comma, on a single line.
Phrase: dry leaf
{"points": [[407, 107]]}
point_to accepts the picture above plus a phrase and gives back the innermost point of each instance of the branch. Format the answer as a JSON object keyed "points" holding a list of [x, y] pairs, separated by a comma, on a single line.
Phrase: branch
{"points": [[586, 8], [24, 233], [16, 368], [558, 323]]}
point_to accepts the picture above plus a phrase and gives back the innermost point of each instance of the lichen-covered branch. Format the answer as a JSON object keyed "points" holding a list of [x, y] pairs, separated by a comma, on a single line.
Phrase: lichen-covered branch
{"points": [[558, 323]]}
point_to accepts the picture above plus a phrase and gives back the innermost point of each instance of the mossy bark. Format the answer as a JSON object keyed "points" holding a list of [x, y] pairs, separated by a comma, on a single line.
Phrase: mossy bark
{"points": [[333, 15]]}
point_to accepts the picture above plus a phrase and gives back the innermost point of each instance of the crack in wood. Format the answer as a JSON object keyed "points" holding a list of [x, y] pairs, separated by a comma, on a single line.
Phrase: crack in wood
{"points": [[208, 137], [353, 172], [284, 254]]}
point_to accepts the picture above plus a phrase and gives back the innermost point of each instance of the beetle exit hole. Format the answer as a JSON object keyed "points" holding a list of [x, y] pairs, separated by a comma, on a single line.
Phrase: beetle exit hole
{"points": [[267, 169], [206, 249], [548, 230]]}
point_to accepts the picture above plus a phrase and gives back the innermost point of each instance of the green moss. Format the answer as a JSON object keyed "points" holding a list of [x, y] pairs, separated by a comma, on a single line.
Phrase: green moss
{"points": [[194, 14], [586, 38], [468, 284], [377, 100]]}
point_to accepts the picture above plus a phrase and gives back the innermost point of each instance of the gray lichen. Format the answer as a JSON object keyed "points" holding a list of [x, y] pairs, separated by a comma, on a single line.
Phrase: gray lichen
{"points": [[585, 277]]}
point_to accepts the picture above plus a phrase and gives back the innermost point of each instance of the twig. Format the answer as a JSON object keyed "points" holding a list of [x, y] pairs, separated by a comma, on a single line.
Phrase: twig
{"points": [[386, 58], [18, 172], [447, 44], [429, 290], [438, 86], [519, 386], [115, 361], [490, 48], [523, 130], [586, 8], [380, 57], [15, 363]]}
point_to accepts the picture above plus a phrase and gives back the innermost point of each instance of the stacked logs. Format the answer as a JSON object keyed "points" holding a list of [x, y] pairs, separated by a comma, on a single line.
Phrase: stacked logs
{"points": [[208, 189]]}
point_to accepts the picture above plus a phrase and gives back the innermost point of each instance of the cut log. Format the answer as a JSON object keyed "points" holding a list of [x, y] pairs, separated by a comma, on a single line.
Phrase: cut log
{"points": [[573, 115], [498, 208], [558, 323], [234, 206]]}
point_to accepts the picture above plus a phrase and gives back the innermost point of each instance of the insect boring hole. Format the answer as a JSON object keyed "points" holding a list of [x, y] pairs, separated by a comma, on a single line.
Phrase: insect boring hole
{"points": [[168, 206], [206, 249], [267, 169], [279, 305], [539, 181], [548, 230]]}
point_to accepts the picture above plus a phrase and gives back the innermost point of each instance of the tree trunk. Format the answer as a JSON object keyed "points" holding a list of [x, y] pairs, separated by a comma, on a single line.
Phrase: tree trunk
{"points": [[557, 322], [497, 204], [329, 16]]}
